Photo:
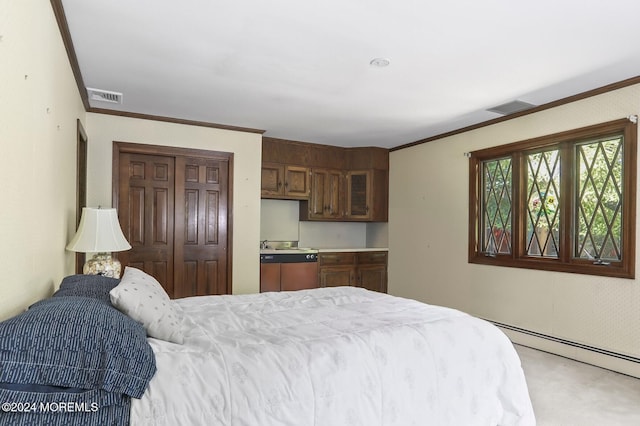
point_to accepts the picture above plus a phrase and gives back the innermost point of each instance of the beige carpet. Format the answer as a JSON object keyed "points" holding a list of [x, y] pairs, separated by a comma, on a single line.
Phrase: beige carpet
{"points": [[570, 393]]}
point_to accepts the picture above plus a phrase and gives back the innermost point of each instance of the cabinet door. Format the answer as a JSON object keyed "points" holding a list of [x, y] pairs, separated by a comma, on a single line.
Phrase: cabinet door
{"points": [[359, 195], [325, 201], [334, 195], [272, 180], [373, 277], [296, 182], [269, 277], [298, 276], [334, 276]]}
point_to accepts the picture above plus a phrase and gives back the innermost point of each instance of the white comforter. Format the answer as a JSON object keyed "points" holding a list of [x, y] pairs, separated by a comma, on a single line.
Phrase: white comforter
{"points": [[332, 357]]}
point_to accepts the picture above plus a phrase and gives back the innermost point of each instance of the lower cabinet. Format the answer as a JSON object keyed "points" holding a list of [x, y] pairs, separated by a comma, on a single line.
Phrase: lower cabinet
{"points": [[367, 269], [288, 276]]}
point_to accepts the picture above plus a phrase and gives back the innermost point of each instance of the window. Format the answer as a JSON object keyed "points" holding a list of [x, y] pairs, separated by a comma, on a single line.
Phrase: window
{"points": [[563, 202]]}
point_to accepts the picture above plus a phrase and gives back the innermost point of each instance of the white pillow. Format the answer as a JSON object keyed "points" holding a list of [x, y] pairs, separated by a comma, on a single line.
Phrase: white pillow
{"points": [[142, 298]]}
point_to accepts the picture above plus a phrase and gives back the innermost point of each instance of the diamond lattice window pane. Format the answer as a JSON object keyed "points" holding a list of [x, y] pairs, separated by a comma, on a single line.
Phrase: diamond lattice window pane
{"points": [[599, 196], [496, 206], [543, 203]]}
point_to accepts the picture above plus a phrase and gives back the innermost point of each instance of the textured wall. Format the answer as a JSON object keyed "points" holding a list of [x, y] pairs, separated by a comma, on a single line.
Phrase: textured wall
{"points": [[39, 106], [247, 149], [428, 239]]}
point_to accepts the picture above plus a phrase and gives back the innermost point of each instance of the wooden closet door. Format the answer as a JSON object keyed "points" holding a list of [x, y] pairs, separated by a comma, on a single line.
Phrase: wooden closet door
{"points": [[146, 212], [201, 226]]}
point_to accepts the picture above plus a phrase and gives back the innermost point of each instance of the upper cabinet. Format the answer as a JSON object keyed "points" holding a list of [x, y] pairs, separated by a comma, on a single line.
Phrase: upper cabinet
{"points": [[367, 195], [325, 202], [285, 181], [333, 183]]}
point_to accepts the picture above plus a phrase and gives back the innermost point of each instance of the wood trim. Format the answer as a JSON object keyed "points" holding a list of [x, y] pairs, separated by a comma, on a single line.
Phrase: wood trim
{"points": [[141, 116], [596, 130], [565, 261], [148, 149], [230, 227], [589, 93], [81, 184], [61, 19], [63, 26]]}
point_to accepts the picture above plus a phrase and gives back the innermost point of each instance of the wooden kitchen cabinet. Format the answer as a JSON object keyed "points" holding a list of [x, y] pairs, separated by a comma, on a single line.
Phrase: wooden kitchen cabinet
{"points": [[342, 184], [326, 198], [285, 181], [367, 195], [337, 269], [361, 269], [372, 270]]}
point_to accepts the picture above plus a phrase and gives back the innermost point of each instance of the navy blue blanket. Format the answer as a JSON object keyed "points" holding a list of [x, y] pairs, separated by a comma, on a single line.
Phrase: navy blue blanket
{"points": [[72, 360]]}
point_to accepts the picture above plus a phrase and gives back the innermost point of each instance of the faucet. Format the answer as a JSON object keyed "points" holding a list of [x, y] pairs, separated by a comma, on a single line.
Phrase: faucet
{"points": [[263, 244]]}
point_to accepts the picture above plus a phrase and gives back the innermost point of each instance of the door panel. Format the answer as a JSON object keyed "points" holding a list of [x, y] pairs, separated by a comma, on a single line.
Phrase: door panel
{"points": [[298, 276], [335, 276], [145, 206], [296, 182], [201, 208], [373, 277], [334, 194], [269, 277], [317, 199], [272, 177]]}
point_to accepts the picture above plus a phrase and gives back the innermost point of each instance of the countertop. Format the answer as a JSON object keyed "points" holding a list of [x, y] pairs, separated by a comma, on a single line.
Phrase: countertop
{"points": [[341, 250], [322, 250]]}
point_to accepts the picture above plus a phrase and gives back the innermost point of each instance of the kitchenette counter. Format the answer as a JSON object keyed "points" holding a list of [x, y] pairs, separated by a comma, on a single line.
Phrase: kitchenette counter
{"points": [[321, 250], [351, 249]]}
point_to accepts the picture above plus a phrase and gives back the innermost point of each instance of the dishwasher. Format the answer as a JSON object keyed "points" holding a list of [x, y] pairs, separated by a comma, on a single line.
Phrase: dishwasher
{"points": [[285, 270]]}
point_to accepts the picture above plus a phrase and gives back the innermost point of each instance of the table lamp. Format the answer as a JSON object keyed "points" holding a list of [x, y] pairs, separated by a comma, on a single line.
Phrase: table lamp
{"points": [[99, 232]]}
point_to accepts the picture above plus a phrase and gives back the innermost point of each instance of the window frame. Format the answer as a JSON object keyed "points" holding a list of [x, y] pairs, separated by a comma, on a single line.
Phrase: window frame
{"points": [[565, 142]]}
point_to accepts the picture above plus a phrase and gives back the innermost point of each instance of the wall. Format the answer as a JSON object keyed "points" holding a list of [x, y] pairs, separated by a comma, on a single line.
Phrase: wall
{"points": [[39, 106], [279, 221], [104, 129], [428, 243], [333, 234]]}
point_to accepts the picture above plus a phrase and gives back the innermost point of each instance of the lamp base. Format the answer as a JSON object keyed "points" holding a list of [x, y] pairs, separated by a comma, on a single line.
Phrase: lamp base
{"points": [[102, 264]]}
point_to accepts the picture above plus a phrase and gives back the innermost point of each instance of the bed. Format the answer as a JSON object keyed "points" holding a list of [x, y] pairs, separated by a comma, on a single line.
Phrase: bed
{"points": [[328, 356]]}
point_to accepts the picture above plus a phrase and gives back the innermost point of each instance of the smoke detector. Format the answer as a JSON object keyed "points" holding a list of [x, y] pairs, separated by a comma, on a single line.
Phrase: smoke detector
{"points": [[104, 96], [379, 62]]}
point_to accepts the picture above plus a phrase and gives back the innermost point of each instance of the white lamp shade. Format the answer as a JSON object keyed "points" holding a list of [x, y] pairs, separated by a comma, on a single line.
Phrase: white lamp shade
{"points": [[99, 231]]}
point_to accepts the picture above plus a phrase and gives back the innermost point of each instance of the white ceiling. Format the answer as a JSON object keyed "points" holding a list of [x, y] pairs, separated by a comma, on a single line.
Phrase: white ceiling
{"points": [[300, 69]]}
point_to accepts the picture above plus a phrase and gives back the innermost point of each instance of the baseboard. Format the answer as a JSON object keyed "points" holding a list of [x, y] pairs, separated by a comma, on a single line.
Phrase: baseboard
{"points": [[614, 361]]}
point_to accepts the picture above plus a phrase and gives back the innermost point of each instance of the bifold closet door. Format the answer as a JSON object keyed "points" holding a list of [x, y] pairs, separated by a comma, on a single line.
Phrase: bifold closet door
{"points": [[174, 209], [201, 226], [146, 203]]}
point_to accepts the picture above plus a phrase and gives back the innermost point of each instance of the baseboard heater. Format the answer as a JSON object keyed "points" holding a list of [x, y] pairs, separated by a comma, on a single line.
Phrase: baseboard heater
{"points": [[567, 342]]}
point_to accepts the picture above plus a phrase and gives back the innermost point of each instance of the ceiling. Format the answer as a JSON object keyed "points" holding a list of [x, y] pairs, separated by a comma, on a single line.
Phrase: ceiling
{"points": [[301, 70]]}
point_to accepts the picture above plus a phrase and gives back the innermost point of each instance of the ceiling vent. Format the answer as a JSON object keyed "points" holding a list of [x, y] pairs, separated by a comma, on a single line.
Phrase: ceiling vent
{"points": [[104, 96], [511, 107]]}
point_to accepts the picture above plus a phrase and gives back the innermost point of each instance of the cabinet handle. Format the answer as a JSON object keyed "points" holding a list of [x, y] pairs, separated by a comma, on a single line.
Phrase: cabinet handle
{"points": [[367, 209], [286, 185], [279, 184]]}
